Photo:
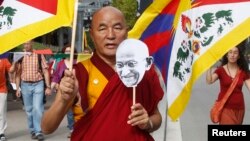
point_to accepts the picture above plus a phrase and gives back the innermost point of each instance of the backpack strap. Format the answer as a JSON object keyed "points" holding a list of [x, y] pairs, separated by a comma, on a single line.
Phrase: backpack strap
{"points": [[40, 63], [20, 60]]}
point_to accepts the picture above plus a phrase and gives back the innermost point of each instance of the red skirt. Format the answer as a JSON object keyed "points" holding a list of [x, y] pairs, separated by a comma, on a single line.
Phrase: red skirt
{"points": [[232, 116]]}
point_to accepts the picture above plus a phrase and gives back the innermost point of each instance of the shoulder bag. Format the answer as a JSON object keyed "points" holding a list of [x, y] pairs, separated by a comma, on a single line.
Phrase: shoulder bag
{"points": [[215, 112]]}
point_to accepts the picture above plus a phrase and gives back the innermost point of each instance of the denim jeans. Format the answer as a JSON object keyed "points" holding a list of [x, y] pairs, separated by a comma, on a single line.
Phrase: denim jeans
{"points": [[70, 118], [33, 94]]}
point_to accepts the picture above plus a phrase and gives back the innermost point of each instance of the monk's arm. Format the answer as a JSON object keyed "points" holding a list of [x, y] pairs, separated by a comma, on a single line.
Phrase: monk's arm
{"points": [[55, 114], [155, 120], [64, 99]]}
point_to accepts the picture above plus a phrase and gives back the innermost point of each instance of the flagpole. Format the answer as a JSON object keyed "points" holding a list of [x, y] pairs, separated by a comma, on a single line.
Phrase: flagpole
{"points": [[73, 36], [83, 39]]}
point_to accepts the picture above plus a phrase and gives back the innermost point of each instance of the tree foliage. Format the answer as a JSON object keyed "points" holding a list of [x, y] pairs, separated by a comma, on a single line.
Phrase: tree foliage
{"points": [[129, 9]]}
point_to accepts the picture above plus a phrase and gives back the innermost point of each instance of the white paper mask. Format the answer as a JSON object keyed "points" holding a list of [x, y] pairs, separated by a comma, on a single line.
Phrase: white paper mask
{"points": [[132, 60]]}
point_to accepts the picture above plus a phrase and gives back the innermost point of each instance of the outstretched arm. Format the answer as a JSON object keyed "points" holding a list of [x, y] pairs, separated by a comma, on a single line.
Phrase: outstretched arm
{"points": [[13, 67], [66, 93], [18, 79], [247, 83], [47, 81], [211, 76]]}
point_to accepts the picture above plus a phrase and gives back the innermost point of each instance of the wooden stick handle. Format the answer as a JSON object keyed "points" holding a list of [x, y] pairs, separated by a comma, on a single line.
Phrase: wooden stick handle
{"points": [[73, 37], [134, 95]]}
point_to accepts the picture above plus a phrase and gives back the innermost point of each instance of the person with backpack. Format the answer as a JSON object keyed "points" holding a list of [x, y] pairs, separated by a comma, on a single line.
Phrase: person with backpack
{"points": [[34, 82]]}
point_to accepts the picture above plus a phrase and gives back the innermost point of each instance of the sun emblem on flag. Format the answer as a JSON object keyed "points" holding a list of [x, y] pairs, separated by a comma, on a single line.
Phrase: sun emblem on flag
{"points": [[199, 34], [196, 47], [186, 25], [6, 16]]}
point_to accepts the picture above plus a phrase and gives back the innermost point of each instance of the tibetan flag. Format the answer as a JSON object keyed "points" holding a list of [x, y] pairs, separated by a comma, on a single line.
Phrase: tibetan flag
{"points": [[202, 35], [23, 20], [157, 26], [83, 56]]}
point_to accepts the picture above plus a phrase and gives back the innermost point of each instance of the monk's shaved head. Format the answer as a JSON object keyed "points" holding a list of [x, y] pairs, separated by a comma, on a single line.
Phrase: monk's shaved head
{"points": [[107, 9]]}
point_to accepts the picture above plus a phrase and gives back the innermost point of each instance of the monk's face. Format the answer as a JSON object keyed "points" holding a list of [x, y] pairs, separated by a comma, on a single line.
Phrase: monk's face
{"points": [[108, 30]]}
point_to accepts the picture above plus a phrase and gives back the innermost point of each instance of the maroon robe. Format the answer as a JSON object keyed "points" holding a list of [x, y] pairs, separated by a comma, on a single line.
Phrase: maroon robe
{"points": [[107, 121]]}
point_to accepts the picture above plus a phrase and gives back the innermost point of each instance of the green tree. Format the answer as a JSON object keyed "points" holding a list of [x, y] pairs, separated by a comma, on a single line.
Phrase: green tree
{"points": [[129, 9]]}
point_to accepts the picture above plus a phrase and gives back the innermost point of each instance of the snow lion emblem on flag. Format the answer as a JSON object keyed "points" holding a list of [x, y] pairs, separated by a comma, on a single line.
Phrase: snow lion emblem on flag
{"points": [[6, 16], [206, 28]]}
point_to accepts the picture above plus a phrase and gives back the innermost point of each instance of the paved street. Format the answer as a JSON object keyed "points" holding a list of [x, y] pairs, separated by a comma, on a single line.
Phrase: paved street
{"points": [[17, 129], [196, 117]]}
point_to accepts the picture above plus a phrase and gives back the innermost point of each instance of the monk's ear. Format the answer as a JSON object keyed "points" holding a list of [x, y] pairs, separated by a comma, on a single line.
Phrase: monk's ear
{"points": [[149, 61]]}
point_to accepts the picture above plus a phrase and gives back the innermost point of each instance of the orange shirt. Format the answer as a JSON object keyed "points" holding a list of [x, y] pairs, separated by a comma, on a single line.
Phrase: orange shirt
{"points": [[4, 67]]}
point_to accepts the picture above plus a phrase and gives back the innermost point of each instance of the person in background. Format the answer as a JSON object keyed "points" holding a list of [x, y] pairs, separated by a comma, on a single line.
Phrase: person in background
{"points": [[53, 64], [34, 83], [5, 68], [11, 79], [58, 74], [233, 61], [109, 113]]}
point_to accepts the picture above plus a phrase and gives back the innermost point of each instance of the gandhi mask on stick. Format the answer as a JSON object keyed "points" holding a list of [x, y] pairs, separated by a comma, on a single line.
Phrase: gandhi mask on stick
{"points": [[132, 60]]}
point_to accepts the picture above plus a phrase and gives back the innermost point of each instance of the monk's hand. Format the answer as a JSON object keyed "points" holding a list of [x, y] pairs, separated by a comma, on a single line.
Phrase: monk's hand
{"points": [[68, 86], [139, 117]]}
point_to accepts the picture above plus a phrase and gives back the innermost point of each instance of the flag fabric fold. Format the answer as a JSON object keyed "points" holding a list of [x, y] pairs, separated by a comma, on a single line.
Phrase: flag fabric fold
{"points": [[23, 20], [186, 38]]}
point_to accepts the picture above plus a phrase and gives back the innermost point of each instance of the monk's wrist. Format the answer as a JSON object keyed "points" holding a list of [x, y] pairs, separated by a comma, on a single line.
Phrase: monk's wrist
{"points": [[150, 125]]}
